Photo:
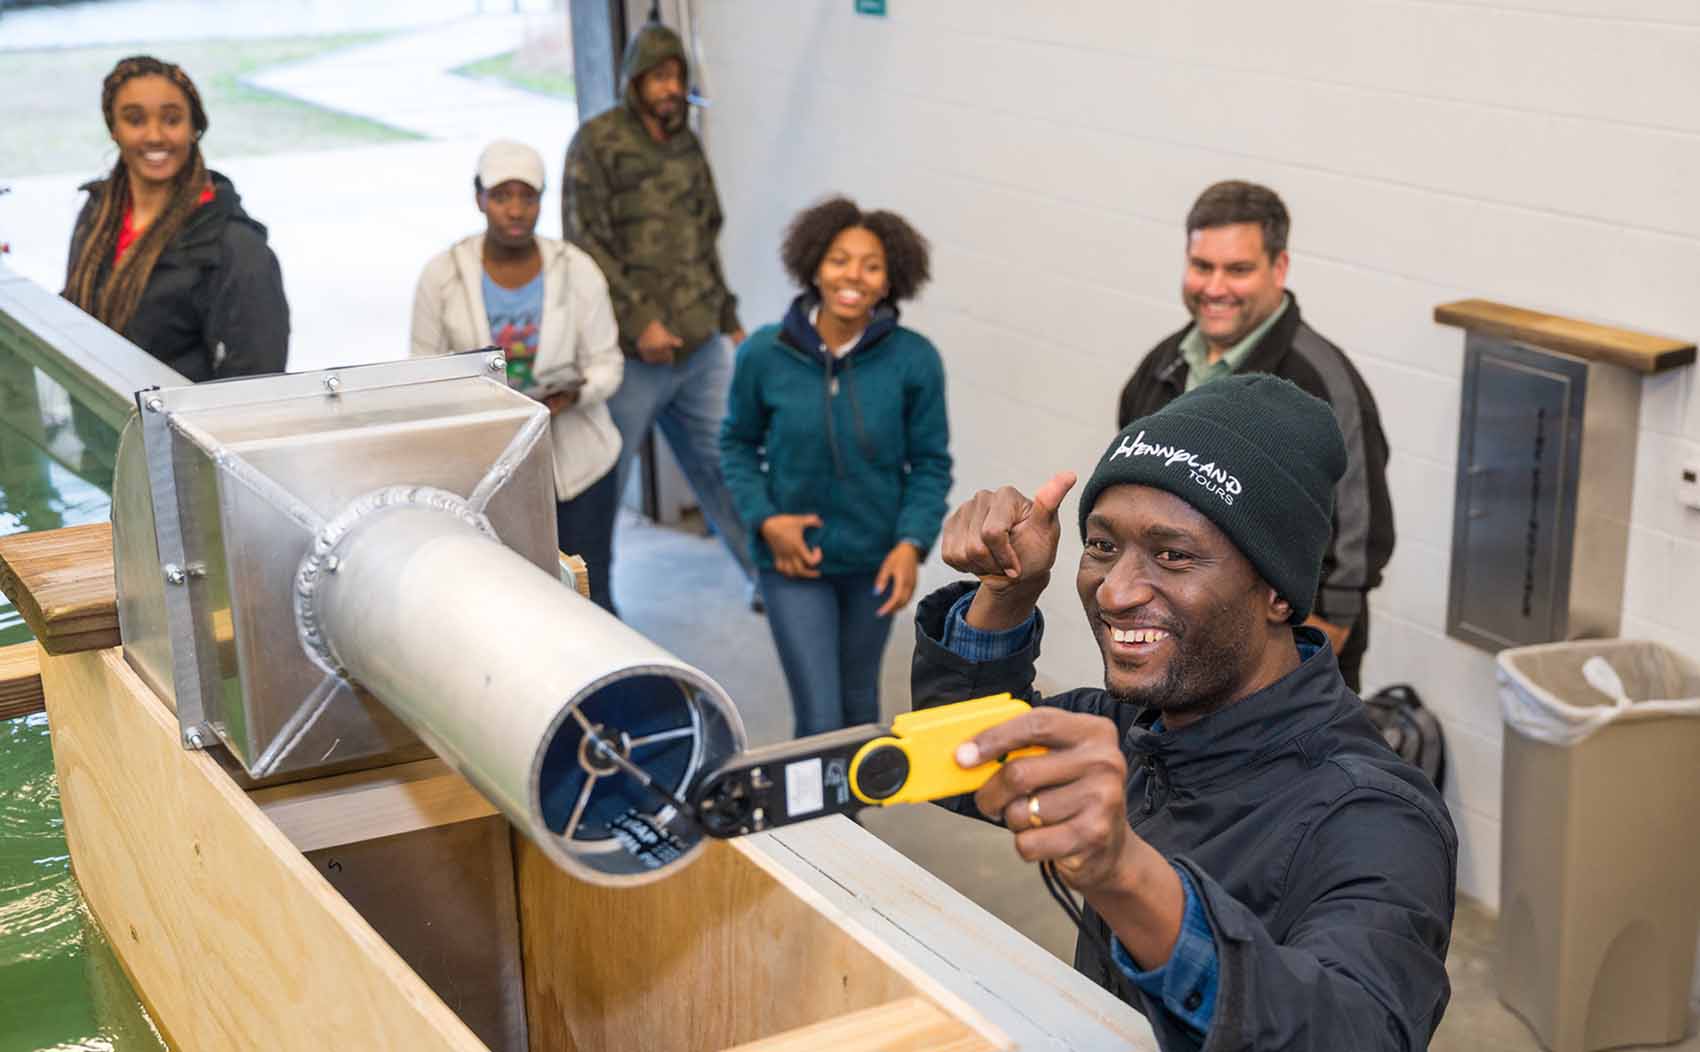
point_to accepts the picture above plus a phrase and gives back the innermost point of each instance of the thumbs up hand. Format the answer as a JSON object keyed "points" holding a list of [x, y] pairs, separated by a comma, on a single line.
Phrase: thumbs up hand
{"points": [[1009, 541]]}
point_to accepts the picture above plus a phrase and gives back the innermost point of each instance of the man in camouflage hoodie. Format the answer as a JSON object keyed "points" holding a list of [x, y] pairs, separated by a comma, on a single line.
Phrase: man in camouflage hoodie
{"points": [[639, 198]]}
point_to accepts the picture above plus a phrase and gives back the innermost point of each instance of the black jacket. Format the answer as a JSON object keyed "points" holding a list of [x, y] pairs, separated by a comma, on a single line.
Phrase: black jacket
{"points": [[214, 304], [1362, 540], [1326, 864]]}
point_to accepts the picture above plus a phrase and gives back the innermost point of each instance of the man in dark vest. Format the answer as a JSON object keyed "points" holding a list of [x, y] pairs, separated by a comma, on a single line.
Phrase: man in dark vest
{"points": [[1245, 321]]}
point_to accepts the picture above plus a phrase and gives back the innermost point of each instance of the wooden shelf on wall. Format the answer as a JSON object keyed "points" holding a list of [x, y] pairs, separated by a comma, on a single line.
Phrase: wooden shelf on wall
{"points": [[1633, 350]]}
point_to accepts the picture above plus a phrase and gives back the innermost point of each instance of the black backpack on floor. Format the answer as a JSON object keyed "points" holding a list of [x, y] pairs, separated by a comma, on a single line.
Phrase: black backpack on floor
{"points": [[1409, 729]]}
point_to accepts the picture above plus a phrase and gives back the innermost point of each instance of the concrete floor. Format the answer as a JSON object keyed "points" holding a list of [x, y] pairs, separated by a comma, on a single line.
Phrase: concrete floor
{"points": [[680, 588]]}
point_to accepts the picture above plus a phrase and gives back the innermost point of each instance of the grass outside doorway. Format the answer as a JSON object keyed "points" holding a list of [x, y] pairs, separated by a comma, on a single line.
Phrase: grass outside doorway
{"points": [[544, 74], [53, 121]]}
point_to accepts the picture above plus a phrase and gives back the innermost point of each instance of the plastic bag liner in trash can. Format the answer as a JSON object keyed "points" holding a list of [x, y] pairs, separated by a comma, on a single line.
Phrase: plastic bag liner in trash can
{"points": [[1560, 693], [1600, 851]]}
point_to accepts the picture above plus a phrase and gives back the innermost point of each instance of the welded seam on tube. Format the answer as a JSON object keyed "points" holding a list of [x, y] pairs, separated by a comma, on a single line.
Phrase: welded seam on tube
{"points": [[309, 623], [519, 447]]}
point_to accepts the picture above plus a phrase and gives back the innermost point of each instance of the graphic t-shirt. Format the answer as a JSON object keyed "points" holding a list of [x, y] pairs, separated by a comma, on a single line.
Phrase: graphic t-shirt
{"points": [[515, 315]]}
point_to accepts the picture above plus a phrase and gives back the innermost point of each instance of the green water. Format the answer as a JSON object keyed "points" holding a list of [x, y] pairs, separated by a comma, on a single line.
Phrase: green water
{"points": [[60, 986]]}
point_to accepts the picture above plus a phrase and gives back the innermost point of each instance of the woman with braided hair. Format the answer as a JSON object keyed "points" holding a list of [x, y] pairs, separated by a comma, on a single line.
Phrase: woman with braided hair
{"points": [[163, 252]]}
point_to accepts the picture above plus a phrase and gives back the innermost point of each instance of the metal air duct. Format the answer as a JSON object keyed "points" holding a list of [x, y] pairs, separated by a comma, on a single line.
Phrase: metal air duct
{"points": [[336, 570]]}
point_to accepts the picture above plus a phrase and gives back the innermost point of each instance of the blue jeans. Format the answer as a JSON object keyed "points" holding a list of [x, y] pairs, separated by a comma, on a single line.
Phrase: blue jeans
{"points": [[830, 643], [688, 402]]}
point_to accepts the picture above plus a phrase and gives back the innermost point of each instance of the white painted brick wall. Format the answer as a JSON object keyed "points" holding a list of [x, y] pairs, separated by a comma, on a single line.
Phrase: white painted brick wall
{"points": [[1539, 152]]}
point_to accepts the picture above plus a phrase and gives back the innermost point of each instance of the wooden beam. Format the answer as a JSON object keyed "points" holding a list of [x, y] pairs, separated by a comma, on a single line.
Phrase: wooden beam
{"points": [[574, 565], [61, 582], [365, 805], [908, 1025], [20, 681], [229, 932], [1639, 351]]}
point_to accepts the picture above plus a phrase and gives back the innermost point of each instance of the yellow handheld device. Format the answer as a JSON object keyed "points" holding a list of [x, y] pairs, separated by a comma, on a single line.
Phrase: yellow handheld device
{"points": [[841, 772], [917, 761]]}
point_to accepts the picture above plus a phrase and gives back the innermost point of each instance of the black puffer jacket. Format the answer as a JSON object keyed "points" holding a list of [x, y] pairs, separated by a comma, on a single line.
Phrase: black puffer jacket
{"points": [[1326, 864], [214, 304]]}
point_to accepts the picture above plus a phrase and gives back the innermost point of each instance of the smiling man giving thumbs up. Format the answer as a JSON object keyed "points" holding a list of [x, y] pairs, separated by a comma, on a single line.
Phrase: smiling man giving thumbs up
{"points": [[1260, 871]]}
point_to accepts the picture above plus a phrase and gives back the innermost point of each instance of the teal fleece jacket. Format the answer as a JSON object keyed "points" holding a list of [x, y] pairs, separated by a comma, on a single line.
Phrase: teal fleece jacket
{"points": [[862, 440]]}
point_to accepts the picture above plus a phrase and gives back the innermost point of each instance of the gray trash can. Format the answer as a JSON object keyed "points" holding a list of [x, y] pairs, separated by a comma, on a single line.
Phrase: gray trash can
{"points": [[1600, 863]]}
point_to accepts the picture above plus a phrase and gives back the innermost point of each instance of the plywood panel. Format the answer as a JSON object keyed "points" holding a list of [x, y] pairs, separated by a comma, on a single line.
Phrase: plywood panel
{"points": [[718, 955], [61, 582], [234, 940], [444, 899], [20, 681]]}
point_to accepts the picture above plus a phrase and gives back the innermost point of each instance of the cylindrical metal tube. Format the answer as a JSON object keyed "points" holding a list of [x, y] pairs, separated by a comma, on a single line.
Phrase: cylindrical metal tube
{"points": [[542, 700]]}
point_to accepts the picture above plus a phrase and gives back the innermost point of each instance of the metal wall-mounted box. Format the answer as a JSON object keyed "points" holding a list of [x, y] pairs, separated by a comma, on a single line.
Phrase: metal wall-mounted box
{"points": [[1546, 467]]}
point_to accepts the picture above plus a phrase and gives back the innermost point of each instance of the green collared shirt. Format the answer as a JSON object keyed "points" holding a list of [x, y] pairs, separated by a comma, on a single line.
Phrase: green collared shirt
{"points": [[1201, 370]]}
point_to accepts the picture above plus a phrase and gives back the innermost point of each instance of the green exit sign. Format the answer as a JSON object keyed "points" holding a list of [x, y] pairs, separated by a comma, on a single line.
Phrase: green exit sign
{"points": [[870, 7]]}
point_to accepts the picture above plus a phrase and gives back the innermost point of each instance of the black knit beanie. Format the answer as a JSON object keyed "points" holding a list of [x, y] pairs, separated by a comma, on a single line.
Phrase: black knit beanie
{"points": [[1256, 456]]}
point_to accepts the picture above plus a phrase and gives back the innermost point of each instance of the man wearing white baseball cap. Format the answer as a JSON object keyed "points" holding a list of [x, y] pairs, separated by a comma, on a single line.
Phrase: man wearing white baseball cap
{"points": [[545, 304]]}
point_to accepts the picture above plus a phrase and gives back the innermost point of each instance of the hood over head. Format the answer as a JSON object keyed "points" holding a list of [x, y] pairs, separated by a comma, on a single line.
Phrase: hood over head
{"points": [[653, 45]]}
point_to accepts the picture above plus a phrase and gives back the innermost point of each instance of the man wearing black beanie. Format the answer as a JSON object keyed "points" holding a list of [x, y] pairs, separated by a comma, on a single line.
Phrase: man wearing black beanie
{"points": [[1270, 875]]}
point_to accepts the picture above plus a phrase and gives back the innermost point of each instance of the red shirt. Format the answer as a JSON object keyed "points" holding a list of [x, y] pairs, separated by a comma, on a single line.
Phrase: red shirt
{"points": [[127, 232]]}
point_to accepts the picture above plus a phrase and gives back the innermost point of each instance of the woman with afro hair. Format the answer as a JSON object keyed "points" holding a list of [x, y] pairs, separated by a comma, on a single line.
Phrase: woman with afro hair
{"points": [[836, 449], [163, 252]]}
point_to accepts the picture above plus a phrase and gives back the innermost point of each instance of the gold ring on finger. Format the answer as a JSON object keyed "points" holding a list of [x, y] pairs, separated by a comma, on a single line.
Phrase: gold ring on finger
{"points": [[1033, 819]]}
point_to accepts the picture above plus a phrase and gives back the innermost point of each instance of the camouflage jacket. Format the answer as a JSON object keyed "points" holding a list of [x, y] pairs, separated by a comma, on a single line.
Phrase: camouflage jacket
{"points": [[648, 213]]}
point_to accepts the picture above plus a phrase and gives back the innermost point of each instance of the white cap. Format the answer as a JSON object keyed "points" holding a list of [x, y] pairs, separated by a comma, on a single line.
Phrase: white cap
{"points": [[505, 159]]}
